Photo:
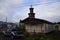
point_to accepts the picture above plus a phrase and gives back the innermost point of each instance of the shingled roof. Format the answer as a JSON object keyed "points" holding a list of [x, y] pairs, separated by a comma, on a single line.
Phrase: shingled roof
{"points": [[34, 21]]}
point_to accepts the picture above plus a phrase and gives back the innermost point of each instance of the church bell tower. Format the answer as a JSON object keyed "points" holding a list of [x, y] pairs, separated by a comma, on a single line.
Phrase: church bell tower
{"points": [[31, 14]]}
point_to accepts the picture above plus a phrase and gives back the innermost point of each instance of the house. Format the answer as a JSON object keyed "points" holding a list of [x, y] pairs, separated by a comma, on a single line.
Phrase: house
{"points": [[4, 26], [11, 26], [33, 24]]}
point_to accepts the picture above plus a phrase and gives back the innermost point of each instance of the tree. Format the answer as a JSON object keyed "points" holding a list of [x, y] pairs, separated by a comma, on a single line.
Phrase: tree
{"points": [[21, 27]]}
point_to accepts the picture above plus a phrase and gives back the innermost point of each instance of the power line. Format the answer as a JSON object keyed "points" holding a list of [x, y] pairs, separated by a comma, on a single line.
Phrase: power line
{"points": [[24, 5], [32, 3]]}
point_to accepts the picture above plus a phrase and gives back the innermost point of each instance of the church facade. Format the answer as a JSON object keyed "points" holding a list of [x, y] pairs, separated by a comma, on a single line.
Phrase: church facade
{"points": [[33, 24], [57, 26]]}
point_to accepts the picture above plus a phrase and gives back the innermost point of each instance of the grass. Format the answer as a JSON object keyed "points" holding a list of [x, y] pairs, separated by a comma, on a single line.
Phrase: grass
{"points": [[1, 33], [49, 36]]}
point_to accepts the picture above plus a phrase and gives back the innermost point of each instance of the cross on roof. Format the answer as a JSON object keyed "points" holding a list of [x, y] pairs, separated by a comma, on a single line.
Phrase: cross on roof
{"points": [[31, 6]]}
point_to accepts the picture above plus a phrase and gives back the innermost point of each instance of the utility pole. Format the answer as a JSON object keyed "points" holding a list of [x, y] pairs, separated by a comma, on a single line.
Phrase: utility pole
{"points": [[6, 19], [6, 22]]}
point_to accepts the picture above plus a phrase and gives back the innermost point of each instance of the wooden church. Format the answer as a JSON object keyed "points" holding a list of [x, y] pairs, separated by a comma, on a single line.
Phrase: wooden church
{"points": [[33, 24]]}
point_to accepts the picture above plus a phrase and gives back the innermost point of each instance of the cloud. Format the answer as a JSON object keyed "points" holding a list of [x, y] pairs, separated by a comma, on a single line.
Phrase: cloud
{"points": [[49, 12], [21, 14], [7, 8], [19, 9]]}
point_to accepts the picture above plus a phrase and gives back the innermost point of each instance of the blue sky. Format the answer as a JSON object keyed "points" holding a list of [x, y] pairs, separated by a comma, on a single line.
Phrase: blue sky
{"points": [[15, 10]]}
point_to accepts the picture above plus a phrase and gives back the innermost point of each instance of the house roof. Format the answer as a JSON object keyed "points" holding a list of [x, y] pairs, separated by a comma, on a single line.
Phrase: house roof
{"points": [[58, 22], [34, 21]]}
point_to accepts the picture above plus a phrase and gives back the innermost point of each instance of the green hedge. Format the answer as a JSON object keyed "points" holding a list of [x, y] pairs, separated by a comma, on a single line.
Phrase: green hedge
{"points": [[42, 37]]}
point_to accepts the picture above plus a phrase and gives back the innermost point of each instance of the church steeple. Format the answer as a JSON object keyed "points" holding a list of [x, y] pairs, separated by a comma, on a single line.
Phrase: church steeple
{"points": [[31, 14]]}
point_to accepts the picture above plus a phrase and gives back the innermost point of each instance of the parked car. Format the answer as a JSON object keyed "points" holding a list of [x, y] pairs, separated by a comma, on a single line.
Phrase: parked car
{"points": [[7, 33], [17, 34]]}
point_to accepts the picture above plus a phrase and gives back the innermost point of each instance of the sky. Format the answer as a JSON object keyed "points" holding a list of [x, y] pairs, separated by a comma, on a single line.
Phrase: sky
{"points": [[16, 10]]}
